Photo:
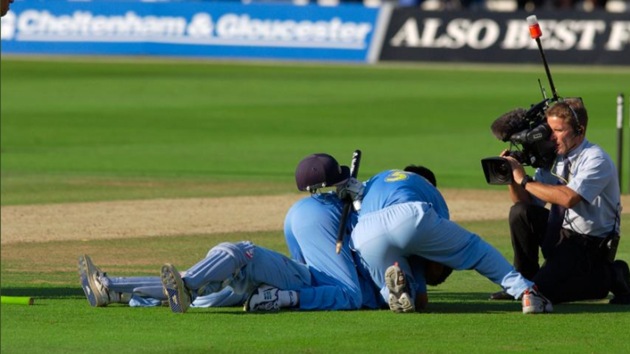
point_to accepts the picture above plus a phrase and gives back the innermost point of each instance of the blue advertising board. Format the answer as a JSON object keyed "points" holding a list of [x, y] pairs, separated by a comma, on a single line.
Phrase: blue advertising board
{"points": [[194, 29]]}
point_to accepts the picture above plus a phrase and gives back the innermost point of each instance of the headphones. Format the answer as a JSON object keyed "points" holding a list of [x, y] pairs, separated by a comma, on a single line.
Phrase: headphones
{"points": [[575, 123], [578, 129]]}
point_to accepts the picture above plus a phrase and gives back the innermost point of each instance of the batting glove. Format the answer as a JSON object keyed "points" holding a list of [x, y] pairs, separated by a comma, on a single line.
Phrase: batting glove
{"points": [[353, 191]]}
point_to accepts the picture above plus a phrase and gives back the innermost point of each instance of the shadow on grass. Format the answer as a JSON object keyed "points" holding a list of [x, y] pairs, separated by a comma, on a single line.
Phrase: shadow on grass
{"points": [[48, 293], [450, 302], [440, 302]]}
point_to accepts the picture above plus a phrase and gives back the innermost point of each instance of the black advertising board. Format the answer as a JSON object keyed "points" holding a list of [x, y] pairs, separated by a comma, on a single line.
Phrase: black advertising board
{"points": [[596, 38]]}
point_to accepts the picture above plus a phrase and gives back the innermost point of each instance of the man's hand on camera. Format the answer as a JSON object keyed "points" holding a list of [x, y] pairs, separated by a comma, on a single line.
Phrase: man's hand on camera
{"points": [[518, 172]]}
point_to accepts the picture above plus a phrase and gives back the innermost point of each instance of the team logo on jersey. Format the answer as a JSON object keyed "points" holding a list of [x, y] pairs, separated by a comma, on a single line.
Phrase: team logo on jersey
{"points": [[396, 176]]}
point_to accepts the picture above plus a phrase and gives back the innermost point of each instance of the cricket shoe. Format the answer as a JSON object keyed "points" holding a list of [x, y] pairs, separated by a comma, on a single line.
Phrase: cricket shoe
{"points": [[176, 292], [399, 298], [95, 291], [265, 298], [535, 302]]}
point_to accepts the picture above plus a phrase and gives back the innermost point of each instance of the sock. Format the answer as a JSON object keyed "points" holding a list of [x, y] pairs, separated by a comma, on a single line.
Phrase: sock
{"points": [[124, 298], [288, 298]]}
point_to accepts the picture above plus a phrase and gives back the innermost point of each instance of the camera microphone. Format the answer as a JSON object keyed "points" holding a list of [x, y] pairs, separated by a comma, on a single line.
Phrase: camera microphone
{"points": [[535, 32], [509, 124]]}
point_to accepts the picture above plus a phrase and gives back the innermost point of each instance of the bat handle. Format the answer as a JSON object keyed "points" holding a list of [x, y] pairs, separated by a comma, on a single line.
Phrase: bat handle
{"points": [[342, 226], [354, 171]]}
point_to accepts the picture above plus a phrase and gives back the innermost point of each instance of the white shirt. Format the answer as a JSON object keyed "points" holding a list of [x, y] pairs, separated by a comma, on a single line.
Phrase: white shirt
{"points": [[593, 176]]}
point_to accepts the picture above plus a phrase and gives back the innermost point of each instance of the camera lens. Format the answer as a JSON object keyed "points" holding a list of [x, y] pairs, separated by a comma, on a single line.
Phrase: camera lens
{"points": [[501, 172], [497, 170]]}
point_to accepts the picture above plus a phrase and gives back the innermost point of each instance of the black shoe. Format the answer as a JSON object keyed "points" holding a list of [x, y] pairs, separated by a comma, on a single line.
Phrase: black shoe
{"points": [[620, 286], [501, 295]]}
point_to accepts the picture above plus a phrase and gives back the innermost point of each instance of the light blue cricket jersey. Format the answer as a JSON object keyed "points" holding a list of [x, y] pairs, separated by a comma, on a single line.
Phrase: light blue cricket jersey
{"points": [[317, 216], [395, 187], [310, 230]]}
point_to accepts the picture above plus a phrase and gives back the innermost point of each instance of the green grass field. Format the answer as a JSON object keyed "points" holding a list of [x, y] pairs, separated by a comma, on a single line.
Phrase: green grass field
{"points": [[85, 130], [99, 130]]}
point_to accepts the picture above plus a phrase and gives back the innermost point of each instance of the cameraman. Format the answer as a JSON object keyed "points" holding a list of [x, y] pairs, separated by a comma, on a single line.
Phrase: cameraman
{"points": [[583, 189]]}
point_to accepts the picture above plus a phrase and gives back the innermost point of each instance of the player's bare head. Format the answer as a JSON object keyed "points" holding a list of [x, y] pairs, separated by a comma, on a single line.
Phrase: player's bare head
{"points": [[424, 172]]}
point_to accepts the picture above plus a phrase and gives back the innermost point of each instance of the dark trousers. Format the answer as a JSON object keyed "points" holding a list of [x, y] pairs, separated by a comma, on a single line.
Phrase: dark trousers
{"points": [[574, 268]]}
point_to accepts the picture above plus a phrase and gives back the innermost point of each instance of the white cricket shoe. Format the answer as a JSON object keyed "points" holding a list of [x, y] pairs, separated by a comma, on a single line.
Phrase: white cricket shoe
{"points": [[95, 291], [535, 302], [265, 298], [399, 298], [176, 292]]}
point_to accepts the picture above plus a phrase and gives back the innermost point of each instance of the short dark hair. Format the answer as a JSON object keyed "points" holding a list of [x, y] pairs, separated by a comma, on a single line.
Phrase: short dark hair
{"points": [[422, 171]]}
